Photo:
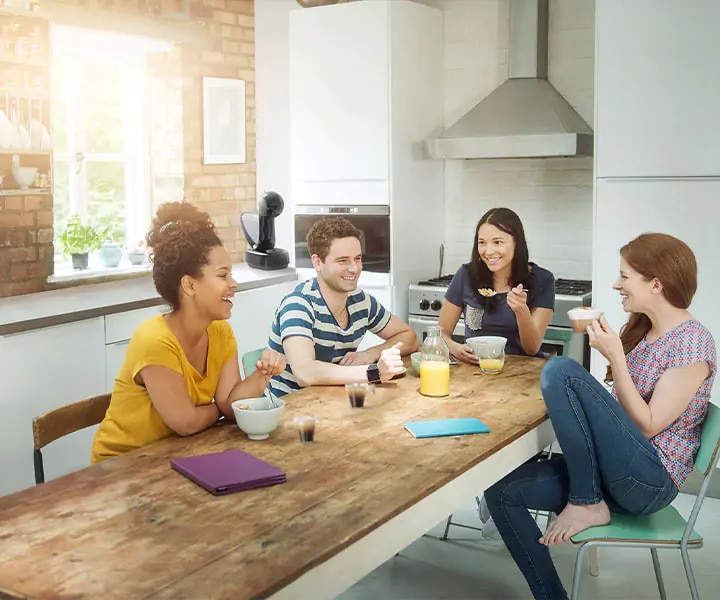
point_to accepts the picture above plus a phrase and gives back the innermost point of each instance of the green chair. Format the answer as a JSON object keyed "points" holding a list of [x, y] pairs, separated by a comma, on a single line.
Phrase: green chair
{"points": [[665, 529], [249, 360]]}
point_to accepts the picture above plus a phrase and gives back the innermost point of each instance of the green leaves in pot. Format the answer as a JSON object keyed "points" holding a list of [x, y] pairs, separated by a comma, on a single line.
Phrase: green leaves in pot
{"points": [[77, 238]]}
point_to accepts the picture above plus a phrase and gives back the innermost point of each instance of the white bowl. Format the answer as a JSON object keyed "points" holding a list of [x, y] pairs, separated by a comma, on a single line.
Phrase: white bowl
{"points": [[260, 420], [487, 346], [24, 176], [582, 317]]}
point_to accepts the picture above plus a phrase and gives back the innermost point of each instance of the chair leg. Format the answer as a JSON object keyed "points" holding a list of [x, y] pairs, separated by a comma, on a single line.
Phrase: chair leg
{"points": [[578, 571], [38, 464], [658, 574], [595, 561], [447, 528], [689, 572]]}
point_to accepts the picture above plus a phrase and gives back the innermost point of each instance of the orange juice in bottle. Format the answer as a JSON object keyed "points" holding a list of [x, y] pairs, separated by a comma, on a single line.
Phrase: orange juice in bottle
{"points": [[435, 365]]}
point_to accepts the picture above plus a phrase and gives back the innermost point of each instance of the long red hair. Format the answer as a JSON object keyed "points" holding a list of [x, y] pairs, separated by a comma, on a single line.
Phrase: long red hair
{"points": [[669, 260]]}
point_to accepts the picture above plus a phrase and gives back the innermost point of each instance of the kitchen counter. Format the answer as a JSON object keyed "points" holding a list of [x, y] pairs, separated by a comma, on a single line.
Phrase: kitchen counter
{"points": [[55, 307]]}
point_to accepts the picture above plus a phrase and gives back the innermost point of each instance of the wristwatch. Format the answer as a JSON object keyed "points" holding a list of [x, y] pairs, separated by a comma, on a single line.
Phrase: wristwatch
{"points": [[373, 373]]}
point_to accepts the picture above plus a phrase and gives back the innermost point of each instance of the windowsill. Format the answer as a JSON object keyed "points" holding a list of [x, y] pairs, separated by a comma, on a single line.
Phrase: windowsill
{"points": [[65, 274]]}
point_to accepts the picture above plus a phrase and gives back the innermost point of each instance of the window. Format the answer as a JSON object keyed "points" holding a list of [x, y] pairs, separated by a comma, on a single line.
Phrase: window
{"points": [[101, 162]]}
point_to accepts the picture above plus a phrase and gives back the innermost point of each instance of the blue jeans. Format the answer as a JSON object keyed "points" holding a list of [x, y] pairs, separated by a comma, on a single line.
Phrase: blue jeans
{"points": [[605, 457]]}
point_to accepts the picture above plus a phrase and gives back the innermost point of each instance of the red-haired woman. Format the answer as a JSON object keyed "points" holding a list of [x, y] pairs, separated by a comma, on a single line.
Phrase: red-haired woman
{"points": [[628, 450]]}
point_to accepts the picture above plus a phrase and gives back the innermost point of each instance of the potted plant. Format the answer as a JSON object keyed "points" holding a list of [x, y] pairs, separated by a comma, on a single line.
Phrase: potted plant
{"points": [[77, 240]]}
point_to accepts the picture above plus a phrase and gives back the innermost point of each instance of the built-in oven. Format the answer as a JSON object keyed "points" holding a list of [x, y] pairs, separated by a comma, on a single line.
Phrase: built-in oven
{"points": [[372, 221]]}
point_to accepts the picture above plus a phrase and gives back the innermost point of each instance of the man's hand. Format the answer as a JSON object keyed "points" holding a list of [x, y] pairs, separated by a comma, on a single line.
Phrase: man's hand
{"points": [[366, 357], [390, 362], [517, 298], [270, 363]]}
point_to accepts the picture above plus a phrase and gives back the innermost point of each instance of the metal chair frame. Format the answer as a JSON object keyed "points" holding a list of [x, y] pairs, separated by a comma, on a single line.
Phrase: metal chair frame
{"points": [[684, 544]]}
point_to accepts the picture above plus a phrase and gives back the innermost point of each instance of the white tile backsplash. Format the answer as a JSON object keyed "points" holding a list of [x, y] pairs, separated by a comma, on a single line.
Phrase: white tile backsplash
{"points": [[553, 197]]}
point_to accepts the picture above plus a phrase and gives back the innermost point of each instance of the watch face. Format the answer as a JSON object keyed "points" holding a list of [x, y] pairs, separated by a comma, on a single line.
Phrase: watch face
{"points": [[373, 373]]}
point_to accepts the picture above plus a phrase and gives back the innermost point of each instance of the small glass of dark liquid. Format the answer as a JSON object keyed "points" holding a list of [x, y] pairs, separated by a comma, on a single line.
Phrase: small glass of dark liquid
{"points": [[357, 392], [306, 427]]}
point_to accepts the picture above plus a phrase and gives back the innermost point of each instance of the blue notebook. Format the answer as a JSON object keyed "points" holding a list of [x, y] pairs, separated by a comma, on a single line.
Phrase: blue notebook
{"points": [[442, 427]]}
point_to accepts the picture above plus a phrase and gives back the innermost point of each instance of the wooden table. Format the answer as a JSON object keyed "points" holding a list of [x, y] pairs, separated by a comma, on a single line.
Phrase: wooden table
{"points": [[131, 527]]}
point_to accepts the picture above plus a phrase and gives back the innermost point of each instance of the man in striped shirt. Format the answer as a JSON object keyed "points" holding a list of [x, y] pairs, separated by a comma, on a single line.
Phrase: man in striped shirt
{"points": [[320, 324]]}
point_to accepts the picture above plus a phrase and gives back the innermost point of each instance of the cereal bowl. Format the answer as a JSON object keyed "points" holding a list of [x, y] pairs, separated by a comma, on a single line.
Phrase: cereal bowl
{"points": [[255, 417], [415, 362]]}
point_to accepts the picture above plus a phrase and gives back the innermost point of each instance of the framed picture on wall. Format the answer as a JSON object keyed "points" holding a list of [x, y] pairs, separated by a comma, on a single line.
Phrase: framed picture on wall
{"points": [[223, 121]]}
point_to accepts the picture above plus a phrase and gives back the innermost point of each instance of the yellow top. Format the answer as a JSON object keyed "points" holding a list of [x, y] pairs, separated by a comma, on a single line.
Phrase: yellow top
{"points": [[131, 420]]}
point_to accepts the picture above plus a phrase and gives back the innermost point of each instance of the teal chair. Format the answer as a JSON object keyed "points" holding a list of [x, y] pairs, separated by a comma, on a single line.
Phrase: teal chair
{"points": [[665, 529], [249, 360]]}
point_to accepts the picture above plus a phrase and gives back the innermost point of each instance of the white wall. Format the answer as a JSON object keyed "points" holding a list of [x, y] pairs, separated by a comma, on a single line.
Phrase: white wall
{"points": [[552, 196]]}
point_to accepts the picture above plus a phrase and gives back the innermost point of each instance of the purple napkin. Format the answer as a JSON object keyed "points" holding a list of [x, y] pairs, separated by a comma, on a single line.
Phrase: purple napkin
{"points": [[227, 472]]}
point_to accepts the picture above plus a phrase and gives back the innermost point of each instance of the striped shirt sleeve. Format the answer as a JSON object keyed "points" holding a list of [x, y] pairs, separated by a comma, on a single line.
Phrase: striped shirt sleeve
{"points": [[378, 315], [295, 317]]}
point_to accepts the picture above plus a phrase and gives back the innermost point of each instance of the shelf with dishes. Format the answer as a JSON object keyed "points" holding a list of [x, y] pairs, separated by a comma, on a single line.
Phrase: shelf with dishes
{"points": [[24, 93], [24, 152], [30, 191]]}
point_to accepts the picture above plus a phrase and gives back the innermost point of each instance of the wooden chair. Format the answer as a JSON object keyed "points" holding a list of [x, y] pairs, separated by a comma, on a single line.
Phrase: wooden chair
{"points": [[62, 421], [665, 529]]}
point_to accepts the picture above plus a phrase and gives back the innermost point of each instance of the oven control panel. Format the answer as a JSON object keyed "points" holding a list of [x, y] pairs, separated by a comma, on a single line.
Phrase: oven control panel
{"points": [[425, 300]]}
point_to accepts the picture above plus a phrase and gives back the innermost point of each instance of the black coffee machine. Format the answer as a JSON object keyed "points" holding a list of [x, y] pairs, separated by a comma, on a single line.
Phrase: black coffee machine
{"points": [[259, 229]]}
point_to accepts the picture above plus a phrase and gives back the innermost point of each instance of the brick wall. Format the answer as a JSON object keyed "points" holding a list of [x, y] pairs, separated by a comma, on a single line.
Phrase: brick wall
{"points": [[26, 252]]}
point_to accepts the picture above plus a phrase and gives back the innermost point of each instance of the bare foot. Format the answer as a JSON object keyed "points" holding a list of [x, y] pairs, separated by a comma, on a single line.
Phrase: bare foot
{"points": [[573, 519]]}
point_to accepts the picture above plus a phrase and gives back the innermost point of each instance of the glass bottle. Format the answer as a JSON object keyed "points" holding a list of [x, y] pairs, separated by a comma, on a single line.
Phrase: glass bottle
{"points": [[435, 365]]}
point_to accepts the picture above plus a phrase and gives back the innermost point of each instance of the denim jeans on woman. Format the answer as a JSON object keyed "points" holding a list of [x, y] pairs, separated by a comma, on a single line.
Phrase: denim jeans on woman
{"points": [[605, 456]]}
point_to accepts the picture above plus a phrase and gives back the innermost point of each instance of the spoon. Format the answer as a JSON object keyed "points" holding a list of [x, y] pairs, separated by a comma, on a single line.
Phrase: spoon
{"points": [[273, 400]]}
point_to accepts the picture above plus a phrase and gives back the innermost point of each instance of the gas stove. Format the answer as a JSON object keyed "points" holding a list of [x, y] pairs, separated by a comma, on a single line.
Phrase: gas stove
{"points": [[425, 298]]}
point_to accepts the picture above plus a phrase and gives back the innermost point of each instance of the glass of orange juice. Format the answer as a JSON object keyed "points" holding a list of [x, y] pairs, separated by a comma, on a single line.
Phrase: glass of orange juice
{"points": [[490, 350]]}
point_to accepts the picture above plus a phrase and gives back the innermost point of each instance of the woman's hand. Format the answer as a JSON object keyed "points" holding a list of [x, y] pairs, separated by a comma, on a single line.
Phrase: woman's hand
{"points": [[464, 353], [270, 363], [517, 298], [605, 340]]}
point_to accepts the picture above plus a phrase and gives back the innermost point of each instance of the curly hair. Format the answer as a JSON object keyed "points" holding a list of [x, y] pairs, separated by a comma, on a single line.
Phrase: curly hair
{"points": [[180, 242], [324, 231]]}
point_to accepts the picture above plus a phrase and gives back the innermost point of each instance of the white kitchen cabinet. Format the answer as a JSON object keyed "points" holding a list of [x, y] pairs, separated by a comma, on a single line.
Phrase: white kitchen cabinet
{"points": [[253, 312], [685, 208], [42, 370], [339, 71], [657, 88], [356, 101], [119, 329]]}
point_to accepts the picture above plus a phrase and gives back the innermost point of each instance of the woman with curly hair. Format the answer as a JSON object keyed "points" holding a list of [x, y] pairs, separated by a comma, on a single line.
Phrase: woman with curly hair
{"points": [[180, 372]]}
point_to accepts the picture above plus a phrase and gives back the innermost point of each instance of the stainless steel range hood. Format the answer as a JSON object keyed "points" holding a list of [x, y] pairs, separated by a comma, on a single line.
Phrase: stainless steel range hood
{"points": [[525, 117]]}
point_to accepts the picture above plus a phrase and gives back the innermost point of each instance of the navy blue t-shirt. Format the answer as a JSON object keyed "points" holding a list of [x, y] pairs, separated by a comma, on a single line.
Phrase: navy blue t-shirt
{"points": [[498, 318]]}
